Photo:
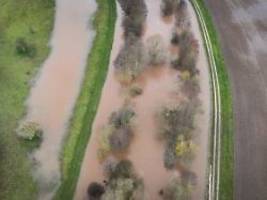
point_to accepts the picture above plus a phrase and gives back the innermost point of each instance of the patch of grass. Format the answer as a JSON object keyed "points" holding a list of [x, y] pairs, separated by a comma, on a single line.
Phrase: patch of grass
{"points": [[87, 103], [227, 133], [33, 21]]}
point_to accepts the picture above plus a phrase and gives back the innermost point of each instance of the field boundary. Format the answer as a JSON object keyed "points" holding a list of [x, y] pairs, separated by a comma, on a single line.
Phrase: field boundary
{"points": [[220, 110]]}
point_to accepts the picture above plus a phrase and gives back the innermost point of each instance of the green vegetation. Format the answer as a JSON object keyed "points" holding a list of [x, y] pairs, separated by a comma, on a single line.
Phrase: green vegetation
{"points": [[30, 131], [123, 182], [227, 145], [25, 28], [87, 103], [118, 133]]}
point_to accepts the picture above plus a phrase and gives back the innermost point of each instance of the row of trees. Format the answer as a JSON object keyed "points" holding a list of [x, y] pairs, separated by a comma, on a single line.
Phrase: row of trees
{"points": [[177, 122], [122, 182]]}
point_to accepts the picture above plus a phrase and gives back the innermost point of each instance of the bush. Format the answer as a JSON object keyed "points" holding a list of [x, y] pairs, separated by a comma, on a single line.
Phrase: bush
{"points": [[117, 135], [181, 16], [185, 150], [156, 50], [104, 143], [177, 189], [95, 191], [24, 48], [170, 157], [122, 117], [30, 131], [190, 87], [168, 7], [135, 14], [123, 183], [120, 139], [124, 169], [188, 46], [135, 90], [130, 60], [177, 120]]}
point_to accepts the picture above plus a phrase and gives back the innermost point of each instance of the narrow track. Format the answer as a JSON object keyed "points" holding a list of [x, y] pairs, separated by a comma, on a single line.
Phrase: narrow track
{"points": [[215, 137]]}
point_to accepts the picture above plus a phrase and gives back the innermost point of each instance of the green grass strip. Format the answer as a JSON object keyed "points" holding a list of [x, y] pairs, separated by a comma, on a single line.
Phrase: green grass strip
{"points": [[227, 131], [33, 21], [87, 103]]}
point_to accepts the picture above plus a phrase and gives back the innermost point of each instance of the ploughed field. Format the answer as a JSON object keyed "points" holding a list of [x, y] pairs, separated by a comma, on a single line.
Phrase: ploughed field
{"points": [[150, 135], [242, 27]]}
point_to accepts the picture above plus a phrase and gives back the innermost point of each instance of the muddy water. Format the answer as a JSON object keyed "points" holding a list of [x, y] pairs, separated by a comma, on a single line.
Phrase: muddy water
{"points": [[57, 86], [203, 120], [159, 85], [111, 100]]}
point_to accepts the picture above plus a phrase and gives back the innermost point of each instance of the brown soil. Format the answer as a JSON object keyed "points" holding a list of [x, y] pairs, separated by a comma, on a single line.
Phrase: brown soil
{"points": [[243, 34]]}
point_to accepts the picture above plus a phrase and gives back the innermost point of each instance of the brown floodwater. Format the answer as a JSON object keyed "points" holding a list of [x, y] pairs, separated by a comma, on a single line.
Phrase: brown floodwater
{"points": [[57, 86], [159, 89]]}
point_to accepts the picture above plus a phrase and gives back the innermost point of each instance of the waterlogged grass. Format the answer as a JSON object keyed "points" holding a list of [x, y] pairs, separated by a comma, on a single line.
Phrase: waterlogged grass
{"points": [[87, 103], [33, 21], [227, 137]]}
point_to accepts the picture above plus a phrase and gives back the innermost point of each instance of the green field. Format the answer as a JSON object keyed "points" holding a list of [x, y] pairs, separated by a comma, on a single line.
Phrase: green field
{"points": [[31, 20], [87, 103], [227, 131]]}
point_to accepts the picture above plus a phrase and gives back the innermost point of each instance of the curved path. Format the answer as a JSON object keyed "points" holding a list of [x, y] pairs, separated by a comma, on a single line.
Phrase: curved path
{"points": [[242, 27]]}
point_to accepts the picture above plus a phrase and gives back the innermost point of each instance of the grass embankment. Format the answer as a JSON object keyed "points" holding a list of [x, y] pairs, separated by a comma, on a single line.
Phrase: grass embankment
{"points": [[31, 20], [227, 132], [87, 103]]}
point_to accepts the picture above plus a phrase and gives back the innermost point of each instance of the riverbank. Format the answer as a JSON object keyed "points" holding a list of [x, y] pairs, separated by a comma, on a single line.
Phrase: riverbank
{"points": [[87, 103], [31, 20]]}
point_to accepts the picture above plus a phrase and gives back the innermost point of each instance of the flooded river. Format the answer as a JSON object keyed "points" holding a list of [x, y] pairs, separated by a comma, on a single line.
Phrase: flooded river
{"points": [[159, 84], [57, 86]]}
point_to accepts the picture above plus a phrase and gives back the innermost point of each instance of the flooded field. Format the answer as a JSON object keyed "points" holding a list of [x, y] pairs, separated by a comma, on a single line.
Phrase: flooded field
{"points": [[159, 88], [57, 86]]}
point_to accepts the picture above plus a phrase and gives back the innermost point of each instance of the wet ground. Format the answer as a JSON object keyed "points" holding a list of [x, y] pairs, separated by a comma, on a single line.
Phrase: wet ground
{"points": [[159, 87], [57, 86], [242, 27]]}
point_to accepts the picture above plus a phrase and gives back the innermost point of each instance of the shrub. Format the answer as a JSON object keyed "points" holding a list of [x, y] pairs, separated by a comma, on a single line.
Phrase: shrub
{"points": [[120, 139], [95, 191], [170, 157], [188, 46], [30, 131], [135, 14], [189, 178], [104, 143], [190, 87], [124, 169], [168, 7], [181, 16], [130, 60], [117, 135], [135, 90], [123, 183], [177, 120], [177, 189], [122, 117], [175, 38], [156, 50], [24, 48]]}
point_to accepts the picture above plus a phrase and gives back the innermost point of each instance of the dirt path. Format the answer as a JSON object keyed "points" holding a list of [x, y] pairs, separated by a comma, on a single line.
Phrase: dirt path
{"points": [[57, 86], [146, 152], [242, 27]]}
